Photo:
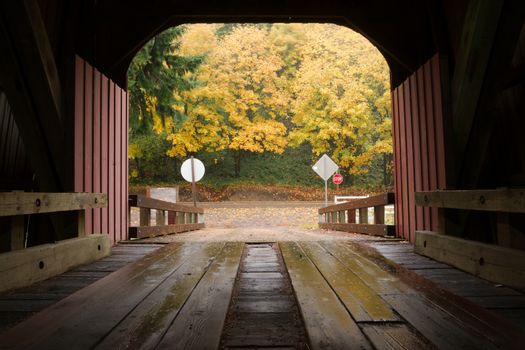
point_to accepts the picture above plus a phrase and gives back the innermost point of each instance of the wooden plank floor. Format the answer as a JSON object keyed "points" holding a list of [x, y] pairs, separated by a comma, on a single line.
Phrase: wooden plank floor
{"points": [[498, 299], [211, 295], [21, 303]]}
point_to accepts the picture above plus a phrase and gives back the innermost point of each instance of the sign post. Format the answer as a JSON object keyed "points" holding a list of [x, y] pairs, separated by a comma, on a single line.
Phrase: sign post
{"points": [[325, 167], [192, 170]]}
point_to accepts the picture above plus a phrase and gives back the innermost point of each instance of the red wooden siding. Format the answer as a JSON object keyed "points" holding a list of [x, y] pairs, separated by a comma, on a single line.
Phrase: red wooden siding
{"points": [[418, 146], [101, 144]]}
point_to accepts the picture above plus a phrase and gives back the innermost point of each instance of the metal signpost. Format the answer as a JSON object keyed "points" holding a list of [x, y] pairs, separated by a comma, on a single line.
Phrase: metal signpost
{"points": [[325, 167], [192, 170]]}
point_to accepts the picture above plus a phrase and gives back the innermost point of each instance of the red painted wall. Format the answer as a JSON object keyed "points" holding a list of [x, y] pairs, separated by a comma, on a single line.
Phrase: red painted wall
{"points": [[101, 148], [419, 150]]}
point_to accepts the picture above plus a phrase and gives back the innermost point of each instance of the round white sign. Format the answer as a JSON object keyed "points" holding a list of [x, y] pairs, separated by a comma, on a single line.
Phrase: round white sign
{"points": [[185, 169]]}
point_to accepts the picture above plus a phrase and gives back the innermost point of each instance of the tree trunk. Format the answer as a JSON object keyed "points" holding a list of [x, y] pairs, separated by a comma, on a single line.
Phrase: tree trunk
{"points": [[237, 158]]}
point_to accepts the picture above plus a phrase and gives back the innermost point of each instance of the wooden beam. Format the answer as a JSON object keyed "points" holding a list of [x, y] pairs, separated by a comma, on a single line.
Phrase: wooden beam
{"points": [[153, 231], [367, 229], [503, 200], [477, 38], [137, 200], [24, 267], [494, 263], [374, 201], [30, 80], [22, 203]]}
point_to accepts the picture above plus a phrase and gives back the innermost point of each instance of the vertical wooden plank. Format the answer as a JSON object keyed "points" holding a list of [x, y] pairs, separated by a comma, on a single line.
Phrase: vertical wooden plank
{"points": [[404, 163], [438, 116], [126, 193], [432, 164], [424, 142], [410, 162], [88, 141], [104, 128], [399, 212], [118, 163], [379, 214], [111, 154], [350, 216], [97, 214], [79, 125], [416, 132], [123, 162]]}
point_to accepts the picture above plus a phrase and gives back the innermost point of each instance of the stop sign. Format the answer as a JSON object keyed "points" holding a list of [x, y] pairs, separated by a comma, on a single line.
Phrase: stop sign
{"points": [[337, 179]]}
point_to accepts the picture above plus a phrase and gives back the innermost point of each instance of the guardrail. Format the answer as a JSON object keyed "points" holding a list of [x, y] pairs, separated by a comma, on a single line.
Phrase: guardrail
{"points": [[495, 262], [342, 217], [23, 266], [180, 218]]}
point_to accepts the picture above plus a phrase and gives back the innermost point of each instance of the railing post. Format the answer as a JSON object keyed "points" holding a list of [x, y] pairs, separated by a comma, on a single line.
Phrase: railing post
{"points": [[351, 216], [363, 215], [172, 217], [379, 214], [145, 217], [342, 217], [161, 217]]}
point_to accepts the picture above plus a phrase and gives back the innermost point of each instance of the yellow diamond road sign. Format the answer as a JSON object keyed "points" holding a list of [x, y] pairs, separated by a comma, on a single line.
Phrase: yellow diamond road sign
{"points": [[325, 167]]}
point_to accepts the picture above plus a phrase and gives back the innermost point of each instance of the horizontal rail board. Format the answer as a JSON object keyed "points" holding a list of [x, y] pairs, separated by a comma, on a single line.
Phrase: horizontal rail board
{"points": [[488, 261], [504, 200], [369, 229], [374, 201], [153, 231], [23, 203], [140, 201]]}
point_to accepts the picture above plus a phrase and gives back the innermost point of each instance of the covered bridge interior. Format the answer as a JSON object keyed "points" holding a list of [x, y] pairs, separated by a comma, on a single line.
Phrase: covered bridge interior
{"points": [[458, 107]]}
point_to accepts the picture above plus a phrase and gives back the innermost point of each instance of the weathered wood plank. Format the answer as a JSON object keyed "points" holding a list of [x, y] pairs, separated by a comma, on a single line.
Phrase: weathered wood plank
{"points": [[153, 231], [494, 263], [369, 229], [137, 200], [395, 337], [82, 319], [200, 322], [328, 324], [24, 267], [376, 278], [373, 201], [437, 325], [22, 203], [504, 200], [362, 302], [144, 326]]}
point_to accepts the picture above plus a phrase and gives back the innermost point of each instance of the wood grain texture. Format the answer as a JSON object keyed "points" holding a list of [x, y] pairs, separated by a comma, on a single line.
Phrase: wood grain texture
{"points": [[200, 322], [362, 302], [373, 201], [153, 231], [83, 318], [145, 325], [21, 203], [328, 324], [137, 200], [369, 229], [504, 200]]}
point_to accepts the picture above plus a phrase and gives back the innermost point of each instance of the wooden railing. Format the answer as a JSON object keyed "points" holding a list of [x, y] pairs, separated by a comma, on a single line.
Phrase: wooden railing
{"points": [[23, 266], [342, 217], [180, 218], [495, 262], [25, 203]]}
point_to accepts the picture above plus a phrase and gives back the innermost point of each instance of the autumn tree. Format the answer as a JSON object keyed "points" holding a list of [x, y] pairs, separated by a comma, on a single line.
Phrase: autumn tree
{"points": [[155, 75], [242, 101], [338, 98]]}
